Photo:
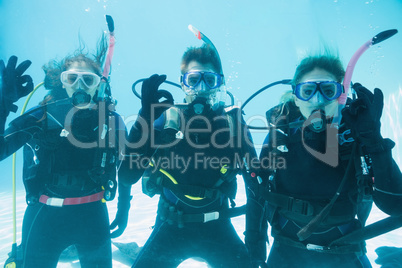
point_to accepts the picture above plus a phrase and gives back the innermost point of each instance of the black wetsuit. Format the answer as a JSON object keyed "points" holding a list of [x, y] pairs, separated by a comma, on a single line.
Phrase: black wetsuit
{"points": [[307, 183], [195, 159], [61, 160]]}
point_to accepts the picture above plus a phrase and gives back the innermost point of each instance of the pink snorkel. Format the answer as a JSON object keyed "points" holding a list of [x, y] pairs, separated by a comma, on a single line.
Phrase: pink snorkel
{"points": [[108, 63], [352, 63], [104, 99], [104, 89]]}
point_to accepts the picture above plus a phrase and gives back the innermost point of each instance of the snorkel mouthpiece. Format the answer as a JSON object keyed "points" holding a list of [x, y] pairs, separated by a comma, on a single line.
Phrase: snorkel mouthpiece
{"points": [[317, 121], [200, 106], [80, 98], [383, 36]]}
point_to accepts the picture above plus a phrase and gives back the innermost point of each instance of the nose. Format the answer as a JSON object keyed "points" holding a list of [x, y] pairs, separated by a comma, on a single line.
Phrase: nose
{"points": [[201, 87], [81, 84], [318, 98]]}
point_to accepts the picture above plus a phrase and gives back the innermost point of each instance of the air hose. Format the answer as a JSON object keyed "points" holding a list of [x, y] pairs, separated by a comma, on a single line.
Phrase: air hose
{"points": [[11, 261]]}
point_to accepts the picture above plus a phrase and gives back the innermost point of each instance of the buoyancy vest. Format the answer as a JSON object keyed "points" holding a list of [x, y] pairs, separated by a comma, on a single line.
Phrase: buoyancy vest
{"points": [[173, 130], [64, 158], [284, 193]]}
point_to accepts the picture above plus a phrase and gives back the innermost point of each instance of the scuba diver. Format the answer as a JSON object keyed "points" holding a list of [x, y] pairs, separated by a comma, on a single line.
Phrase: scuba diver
{"points": [[320, 178], [190, 155], [72, 142]]}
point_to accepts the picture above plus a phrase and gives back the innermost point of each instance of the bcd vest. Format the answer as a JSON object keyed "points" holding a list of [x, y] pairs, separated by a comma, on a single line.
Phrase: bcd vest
{"points": [[155, 178], [302, 210], [64, 158]]}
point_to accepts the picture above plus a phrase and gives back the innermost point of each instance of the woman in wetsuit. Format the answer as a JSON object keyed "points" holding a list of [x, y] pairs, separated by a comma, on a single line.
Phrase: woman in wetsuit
{"points": [[69, 164]]}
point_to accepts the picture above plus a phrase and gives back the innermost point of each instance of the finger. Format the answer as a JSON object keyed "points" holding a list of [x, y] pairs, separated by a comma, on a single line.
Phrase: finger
{"points": [[153, 83], [161, 79], [144, 87], [2, 67], [12, 62], [22, 67], [364, 93], [116, 233], [356, 105], [28, 87], [378, 102], [113, 225], [347, 116], [154, 76], [158, 80], [165, 94], [356, 85]]}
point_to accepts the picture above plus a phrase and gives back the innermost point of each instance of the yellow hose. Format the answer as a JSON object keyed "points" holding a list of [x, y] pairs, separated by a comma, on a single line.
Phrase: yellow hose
{"points": [[175, 182], [14, 171]]}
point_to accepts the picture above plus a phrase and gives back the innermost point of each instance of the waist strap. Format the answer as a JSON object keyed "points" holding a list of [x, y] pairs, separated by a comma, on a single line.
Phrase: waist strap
{"points": [[288, 203], [171, 215], [59, 202], [360, 249]]}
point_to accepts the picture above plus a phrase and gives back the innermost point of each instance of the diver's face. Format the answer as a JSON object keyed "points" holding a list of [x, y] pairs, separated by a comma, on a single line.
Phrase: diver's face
{"points": [[201, 89], [80, 76], [317, 102]]}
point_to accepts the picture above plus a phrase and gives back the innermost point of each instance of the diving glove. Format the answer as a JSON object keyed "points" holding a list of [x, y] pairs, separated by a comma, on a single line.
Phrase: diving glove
{"points": [[363, 116], [123, 208], [13, 84], [150, 97]]}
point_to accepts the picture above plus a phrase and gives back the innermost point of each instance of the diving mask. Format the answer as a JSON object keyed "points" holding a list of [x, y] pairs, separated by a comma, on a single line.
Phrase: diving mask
{"points": [[330, 90], [193, 80], [71, 78]]}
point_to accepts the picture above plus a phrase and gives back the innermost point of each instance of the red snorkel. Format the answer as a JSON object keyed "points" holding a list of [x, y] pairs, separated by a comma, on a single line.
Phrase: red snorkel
{"points": [[206, 40], [352, 63]]}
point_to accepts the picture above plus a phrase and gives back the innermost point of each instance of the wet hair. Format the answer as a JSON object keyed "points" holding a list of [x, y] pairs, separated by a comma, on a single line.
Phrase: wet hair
{"points": [[204, 55], [328, 62], [326, 59], [54, 68]]}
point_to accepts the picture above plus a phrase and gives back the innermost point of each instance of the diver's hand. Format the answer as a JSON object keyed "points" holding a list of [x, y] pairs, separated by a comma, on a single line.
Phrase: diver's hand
{"points": [[389, 256], [121, 219], [13, 84], [123, 208], [150, 96], [363, 116]]}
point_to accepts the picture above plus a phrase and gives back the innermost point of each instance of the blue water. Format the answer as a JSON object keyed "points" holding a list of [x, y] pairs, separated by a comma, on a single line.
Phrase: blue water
{"points": [[259, 42]]}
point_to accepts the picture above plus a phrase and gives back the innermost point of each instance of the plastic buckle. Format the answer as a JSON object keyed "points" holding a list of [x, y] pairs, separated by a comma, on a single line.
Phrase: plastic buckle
{"points": [[342, 139], [55, 202], [300, 207], [283, 148], [211, 216], [316, 247]]}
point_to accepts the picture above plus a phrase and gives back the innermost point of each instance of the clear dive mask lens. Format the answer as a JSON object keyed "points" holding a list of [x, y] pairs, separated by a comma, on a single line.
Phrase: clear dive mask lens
{"points": [[70, 78], [192, 79], [331, 90]]}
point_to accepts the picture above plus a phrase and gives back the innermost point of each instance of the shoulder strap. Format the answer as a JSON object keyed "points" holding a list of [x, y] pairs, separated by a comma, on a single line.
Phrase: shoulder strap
{"points": [[172, 119], [232, 119]]}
